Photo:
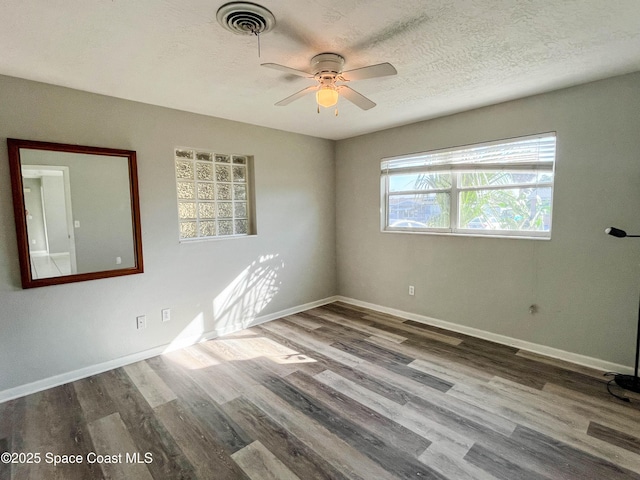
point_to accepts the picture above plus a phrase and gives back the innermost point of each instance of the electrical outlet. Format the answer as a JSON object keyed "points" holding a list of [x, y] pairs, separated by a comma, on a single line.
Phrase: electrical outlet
{"points": [[166, 314], [412, 291], [141, 322]]}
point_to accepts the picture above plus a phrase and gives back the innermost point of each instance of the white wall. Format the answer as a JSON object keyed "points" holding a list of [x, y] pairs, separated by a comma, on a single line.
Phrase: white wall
{"points": [[35, 219], [55, 213], [55, 330], [584, 282]]}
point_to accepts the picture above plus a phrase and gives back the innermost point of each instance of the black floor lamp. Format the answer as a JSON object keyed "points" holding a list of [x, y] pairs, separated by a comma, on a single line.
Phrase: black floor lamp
{"points": [[628, 382]]}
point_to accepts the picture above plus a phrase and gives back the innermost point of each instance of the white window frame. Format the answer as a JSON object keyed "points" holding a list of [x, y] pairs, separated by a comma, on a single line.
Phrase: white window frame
{"points": [[452, 160]]}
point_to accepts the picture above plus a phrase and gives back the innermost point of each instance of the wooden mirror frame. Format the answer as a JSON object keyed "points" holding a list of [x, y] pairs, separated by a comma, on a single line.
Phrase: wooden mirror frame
{"points": [[15, 168]]}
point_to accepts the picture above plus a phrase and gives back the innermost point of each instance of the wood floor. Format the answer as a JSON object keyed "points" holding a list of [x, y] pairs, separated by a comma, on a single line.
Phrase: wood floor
{"points": [[337, 392]]}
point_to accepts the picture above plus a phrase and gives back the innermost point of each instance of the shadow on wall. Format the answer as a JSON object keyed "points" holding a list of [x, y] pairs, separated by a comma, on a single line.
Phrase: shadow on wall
{"points": [[239, 304]]}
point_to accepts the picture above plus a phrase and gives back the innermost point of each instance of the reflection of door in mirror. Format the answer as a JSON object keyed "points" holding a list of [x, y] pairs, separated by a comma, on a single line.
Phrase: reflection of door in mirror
{"points": [[49, 220]]}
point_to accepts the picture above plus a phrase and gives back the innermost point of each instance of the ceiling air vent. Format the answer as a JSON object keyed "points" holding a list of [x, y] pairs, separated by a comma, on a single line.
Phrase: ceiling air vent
{"points": [[244, 18]]}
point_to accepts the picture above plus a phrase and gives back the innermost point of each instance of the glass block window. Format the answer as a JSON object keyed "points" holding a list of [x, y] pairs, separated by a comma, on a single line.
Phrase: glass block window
{"points": [[213, 194]]}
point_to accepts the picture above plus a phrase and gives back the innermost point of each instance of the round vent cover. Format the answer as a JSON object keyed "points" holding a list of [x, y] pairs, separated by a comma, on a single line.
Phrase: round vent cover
{"points": [[244, 18]]}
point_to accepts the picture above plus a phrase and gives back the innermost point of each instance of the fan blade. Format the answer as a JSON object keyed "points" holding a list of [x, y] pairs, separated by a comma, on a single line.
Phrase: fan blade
{"points": [[282, 68], [296, 96], [356, 98], [372, 71]]}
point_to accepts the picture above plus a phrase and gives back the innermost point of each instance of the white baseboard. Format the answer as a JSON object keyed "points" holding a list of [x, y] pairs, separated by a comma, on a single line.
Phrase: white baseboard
{"points": [[90, 370], [494, 337]]}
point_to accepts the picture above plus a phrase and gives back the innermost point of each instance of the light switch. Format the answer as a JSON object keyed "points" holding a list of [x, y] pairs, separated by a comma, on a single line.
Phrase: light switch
{"points": [[76, 223]]}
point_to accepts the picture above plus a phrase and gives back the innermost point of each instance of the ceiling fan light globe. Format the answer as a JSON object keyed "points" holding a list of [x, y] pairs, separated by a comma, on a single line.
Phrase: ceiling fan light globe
{"points": [[327, 97]]}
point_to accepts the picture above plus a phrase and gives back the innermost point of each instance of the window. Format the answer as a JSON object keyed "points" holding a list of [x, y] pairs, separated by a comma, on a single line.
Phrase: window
{"points": [[214, 194], [502, 188]]}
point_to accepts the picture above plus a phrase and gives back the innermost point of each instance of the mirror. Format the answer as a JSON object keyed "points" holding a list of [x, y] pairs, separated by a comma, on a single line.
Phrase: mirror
{"points": [[76, 210]]}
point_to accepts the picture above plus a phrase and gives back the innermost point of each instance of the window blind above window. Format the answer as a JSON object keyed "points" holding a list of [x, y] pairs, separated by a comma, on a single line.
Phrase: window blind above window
{"points": [[525, 153]]}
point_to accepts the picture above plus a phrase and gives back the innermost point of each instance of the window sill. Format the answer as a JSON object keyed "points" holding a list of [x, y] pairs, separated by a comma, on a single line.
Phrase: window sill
{"points": [[214, 239], [467, 234]]}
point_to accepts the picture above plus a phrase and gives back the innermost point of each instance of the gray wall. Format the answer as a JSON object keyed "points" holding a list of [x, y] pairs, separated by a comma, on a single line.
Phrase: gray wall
{"points": [[54, 330], [104, 211], [584, 282], [316, 198]]}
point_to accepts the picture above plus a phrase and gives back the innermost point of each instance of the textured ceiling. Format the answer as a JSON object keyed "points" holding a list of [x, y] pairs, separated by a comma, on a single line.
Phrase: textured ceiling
{"points": [[451, 55]]}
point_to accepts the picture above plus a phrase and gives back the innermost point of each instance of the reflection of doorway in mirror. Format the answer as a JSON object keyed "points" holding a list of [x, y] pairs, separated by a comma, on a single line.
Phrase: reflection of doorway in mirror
{"points": [[49, 220], [35, 216]]}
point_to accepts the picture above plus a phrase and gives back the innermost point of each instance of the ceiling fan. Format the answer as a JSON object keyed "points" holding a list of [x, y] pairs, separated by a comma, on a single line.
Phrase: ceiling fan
{"points": [[326, 69]]}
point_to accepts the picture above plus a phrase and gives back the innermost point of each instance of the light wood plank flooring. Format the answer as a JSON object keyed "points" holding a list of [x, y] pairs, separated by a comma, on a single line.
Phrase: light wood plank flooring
{"points": [[337, 392]]}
